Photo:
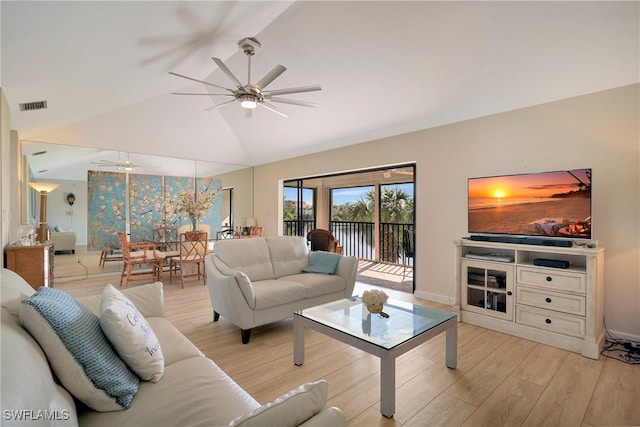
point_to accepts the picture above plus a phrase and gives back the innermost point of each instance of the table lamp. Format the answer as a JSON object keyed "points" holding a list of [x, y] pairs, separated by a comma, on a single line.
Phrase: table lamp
{"points": [[44, 188]]}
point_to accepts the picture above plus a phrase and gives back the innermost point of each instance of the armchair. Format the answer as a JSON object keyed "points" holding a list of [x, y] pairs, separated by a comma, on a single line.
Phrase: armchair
{"points": [[323, 240], [63, 240]]}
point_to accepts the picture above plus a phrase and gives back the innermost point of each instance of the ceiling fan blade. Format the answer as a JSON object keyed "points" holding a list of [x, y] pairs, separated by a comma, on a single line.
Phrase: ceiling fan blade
{"points": [[200, 81], [292, 90], [271, 76], [272, 108], [207, 94], [292, 102], [228, 72], [219, 105]]}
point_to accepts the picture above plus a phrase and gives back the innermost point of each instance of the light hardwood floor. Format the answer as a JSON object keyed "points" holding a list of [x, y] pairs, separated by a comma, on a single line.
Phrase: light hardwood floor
{"points": [[500, 380]]}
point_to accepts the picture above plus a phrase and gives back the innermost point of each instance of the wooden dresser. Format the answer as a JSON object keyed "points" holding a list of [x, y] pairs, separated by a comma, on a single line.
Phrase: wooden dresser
{"points": [[33, 263]]}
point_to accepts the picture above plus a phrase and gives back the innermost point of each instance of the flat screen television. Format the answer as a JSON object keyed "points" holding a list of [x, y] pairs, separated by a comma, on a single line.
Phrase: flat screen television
{"points": [[551, 204]]}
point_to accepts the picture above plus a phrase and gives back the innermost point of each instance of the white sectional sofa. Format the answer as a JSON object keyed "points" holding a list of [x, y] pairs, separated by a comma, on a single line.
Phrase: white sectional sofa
{"points": [[192, 390], [261, 280]]}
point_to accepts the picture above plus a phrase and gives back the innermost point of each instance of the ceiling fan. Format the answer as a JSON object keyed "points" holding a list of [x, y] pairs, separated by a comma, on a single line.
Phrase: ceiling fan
{"points": [[122, 164], [252, 95]]}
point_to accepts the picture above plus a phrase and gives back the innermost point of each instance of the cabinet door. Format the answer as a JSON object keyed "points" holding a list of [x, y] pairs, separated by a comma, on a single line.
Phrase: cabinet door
{"points": [[487, 288]]}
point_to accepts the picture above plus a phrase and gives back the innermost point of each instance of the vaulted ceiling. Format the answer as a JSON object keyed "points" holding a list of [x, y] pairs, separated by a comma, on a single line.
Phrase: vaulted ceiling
{"points": [[385, 68]]}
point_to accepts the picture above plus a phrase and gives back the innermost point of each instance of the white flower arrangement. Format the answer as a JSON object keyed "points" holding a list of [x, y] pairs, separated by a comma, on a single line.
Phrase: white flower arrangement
{"points": [[374, 297]]}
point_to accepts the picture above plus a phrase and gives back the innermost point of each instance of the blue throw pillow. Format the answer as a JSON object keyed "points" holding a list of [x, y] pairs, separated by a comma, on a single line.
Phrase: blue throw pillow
{"points": [[322, 262], [78, 351]]}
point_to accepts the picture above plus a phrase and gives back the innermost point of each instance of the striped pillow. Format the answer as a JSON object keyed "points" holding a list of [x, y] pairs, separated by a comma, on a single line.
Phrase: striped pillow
{"points": [[78, 351]]}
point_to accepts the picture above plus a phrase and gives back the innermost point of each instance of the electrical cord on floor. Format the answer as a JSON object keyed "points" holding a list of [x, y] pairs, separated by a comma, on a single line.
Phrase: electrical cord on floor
{"points": [[86, 274], [625, 350]]}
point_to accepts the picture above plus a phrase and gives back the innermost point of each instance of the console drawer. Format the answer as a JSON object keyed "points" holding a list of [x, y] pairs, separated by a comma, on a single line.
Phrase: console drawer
{"points": [[550, 320], [570, 304], [552, 279]]}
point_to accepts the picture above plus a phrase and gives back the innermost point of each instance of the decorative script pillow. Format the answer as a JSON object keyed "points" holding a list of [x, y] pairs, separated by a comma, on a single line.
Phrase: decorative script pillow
{"points": [[131, 335], [78, 351]]}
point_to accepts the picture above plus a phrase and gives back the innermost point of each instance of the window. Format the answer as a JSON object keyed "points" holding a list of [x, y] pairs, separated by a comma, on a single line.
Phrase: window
{"points": [[299, 214]]}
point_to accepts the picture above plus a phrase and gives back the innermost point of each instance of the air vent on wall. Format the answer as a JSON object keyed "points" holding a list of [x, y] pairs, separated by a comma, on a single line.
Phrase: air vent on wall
{"points": [[30, 106]]}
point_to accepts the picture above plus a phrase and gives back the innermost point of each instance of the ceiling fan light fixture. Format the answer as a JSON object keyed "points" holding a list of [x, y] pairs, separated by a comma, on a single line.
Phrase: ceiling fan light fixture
{"points": [[250, 95], [248, 101]]}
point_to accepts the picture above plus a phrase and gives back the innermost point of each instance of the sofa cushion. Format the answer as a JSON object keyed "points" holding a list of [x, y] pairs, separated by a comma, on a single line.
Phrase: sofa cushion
{"points": [[175, 346], [148, 299], [275, 292], [322, 262], [78, 351], [192, 392], [289, 254], [14, 290], [131, 335], [318, 284], [26, 380], [290, 409], [250, 256]]}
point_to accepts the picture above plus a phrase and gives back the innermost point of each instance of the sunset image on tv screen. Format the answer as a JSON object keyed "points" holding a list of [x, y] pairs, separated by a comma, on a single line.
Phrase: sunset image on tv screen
{"points": [[541, 204]]}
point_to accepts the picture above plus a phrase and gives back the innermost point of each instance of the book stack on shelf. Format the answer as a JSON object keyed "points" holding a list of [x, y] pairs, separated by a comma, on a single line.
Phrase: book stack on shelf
{"points": [[492, 300], [475, 279]]}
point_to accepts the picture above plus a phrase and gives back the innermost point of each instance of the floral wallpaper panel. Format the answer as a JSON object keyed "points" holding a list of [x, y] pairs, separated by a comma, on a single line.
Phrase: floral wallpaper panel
{"points": [[212, 220], [146, 206], [172, 186], [107, 209]]}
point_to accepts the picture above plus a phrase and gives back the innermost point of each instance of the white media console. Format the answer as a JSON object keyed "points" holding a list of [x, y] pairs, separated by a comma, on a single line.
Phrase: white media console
{"points": [[503, 287]]}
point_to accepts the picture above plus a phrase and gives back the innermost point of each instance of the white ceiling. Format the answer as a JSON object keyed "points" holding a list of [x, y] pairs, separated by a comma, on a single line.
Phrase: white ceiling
{"points": [[385, 68]]}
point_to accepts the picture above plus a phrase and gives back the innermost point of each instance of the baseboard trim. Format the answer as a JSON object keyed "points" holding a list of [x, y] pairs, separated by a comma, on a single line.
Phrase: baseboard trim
{"points": [[442, 299], [624, 336]]}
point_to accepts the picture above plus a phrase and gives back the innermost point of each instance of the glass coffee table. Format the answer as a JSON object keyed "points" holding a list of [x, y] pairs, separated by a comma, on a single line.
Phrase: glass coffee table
{"points": [[406, 327]]}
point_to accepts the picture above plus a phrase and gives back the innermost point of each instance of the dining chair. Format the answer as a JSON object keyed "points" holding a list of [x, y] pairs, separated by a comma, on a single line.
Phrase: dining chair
{"points": [[226, 234], [139, 255], [166, 239], [193, 248]]}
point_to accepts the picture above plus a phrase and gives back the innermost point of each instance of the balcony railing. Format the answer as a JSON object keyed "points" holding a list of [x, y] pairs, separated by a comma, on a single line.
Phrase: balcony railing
{"points": [[298, 228], [397, 243], [357, 239]]}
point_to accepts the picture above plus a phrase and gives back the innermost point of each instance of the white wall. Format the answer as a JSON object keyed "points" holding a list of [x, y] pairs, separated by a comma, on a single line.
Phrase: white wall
{"points": [[599, 130], [242, 183], [58, 209]]}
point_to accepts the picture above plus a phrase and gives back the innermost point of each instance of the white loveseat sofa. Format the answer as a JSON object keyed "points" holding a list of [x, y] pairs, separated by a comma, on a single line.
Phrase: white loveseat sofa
{"points": [[192, 391], [63, 240], [259, 280]]}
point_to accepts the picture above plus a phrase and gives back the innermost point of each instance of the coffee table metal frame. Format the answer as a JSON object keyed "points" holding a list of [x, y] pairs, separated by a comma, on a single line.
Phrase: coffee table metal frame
{"points": [[387, 355]]}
